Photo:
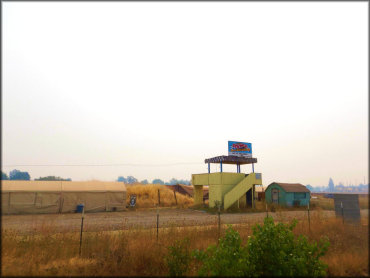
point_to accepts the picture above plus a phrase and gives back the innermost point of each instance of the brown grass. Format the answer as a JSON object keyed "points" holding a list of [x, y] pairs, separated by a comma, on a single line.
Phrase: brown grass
{"points": [[348, 254], [315, 203], [147, 196], [328, 203], [363, 201], [137, 252]]}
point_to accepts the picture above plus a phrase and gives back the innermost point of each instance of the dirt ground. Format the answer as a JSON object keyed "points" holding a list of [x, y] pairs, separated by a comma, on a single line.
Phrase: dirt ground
{"points": [[109, 221]]}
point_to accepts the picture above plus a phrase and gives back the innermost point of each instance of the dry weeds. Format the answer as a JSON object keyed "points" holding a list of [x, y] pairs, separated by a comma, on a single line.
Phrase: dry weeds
{"points": [[137, 252], [147, 196]]}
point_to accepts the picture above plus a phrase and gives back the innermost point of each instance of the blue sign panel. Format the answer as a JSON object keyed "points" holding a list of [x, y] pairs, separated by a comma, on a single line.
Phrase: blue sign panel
{"points": [[132, 200], [240, 148]]}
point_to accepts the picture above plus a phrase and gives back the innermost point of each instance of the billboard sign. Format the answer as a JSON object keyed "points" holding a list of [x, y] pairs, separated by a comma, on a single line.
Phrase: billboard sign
{"points": [[240, 148]]}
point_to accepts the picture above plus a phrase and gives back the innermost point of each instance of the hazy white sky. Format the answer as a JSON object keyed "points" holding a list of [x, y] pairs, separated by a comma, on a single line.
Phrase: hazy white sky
{"points": [[160, 83]]}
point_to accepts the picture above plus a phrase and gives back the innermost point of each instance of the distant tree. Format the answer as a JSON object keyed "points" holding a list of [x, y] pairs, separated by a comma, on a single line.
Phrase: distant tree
{"points": [[52, 178], [4, 176], [309, 187], [18, 175], [128, 179], [173, 181], [186, 182], [131, 180], [331, 185], [144, 181], [157, 181], [122, 179]]}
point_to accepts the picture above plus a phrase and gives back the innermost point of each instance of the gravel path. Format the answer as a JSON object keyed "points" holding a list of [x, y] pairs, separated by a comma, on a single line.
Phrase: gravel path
{"points": [[106, 221]]}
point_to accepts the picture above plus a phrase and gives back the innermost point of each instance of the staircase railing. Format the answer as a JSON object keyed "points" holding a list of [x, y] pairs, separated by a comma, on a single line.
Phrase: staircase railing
{"points": [[241, 188]]}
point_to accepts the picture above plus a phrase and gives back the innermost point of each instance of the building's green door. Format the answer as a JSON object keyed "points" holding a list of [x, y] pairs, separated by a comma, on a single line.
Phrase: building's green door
{"points": [[275, 195]]}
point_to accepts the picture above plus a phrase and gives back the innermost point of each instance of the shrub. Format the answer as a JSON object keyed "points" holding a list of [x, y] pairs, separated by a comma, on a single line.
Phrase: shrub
{"points": [[228, 258], [179, 257], [272, 250]]}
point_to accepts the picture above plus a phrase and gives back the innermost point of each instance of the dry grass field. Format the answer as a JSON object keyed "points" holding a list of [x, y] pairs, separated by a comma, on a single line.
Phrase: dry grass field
{"points": [[135, 251], [125, 243], [328, 203], [147, 196]]}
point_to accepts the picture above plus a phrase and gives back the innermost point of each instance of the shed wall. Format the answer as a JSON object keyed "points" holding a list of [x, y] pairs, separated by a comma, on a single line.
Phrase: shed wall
{"points": [[282, 193]]}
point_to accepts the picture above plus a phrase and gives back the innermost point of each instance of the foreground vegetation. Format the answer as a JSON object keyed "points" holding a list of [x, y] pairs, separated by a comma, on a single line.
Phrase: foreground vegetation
{"points": [[138, 252], [272, 250]]}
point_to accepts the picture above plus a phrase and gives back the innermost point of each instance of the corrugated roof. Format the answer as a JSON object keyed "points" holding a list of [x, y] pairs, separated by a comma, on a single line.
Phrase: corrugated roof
{"points": [[292, 187], [231, 159]]}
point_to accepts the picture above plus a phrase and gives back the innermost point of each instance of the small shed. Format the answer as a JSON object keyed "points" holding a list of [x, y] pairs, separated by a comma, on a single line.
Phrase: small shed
{"points": [[287, 194]]}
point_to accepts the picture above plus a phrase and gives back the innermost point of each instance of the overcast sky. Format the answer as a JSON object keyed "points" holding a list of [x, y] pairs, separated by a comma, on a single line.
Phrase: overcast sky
{"points": [[164, 83]]}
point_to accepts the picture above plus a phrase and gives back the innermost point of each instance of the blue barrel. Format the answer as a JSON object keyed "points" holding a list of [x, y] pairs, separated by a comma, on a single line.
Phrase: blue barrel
{"points": [[80, 208]]}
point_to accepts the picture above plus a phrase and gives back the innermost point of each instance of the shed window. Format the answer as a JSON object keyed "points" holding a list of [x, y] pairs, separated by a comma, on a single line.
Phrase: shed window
{"points": [[299, 195]]}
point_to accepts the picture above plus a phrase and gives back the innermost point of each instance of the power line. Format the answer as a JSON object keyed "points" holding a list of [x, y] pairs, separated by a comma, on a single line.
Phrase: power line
{"points": [[104, 165]]}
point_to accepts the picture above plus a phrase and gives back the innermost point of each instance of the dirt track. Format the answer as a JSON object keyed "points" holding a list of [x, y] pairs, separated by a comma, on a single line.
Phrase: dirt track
{"points": [[106, 221]]}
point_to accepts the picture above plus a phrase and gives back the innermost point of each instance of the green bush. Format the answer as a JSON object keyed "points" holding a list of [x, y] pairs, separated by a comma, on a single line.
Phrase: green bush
{"points": [[272, 250], [179, 257], [228, 258]]}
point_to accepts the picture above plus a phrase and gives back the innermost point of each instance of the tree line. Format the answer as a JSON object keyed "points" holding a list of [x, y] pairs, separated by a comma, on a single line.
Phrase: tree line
{"points": [[25, 176], [19, 175], [133, 180]]}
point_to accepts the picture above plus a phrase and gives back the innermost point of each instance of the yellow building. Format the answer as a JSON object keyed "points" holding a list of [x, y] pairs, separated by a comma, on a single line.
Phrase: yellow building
{"points": [[227, 189]]}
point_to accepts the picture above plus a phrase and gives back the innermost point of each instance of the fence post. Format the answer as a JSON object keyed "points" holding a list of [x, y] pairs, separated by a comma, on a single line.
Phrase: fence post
{"points": [[308, 212], [82, 225], [341, 206], [157, 220], [159, 198], [219, 221], [218, 206], [174, 193]]}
